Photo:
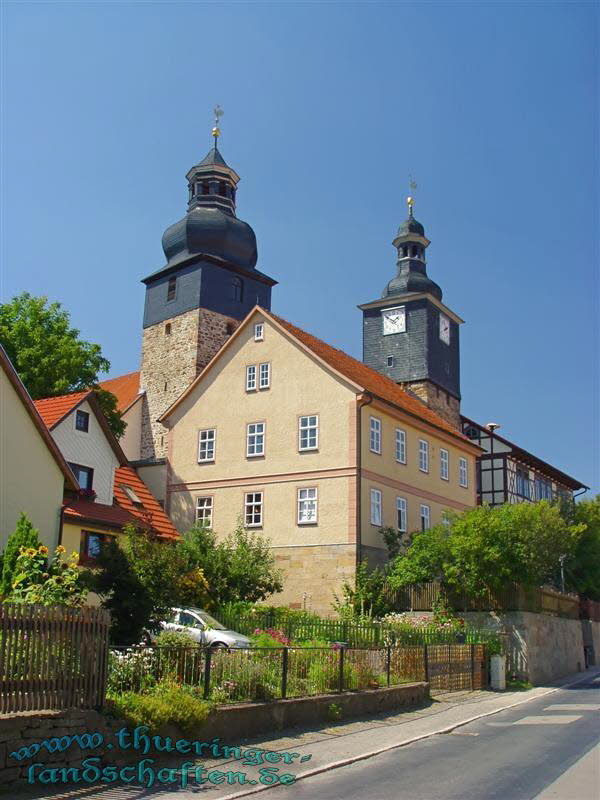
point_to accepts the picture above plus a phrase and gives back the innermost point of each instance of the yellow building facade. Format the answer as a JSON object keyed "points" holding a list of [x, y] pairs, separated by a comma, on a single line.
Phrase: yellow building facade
{"points": [[280, 432]]}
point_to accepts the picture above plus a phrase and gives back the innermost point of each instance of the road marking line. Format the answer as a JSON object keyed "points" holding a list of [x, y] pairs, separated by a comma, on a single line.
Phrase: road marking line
{"points": [[573, 707], [549, 719]]}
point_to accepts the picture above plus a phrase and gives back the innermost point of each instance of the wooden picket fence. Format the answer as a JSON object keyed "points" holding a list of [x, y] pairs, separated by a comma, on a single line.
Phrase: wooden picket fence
{"points": [[542, 600], [52, 657]]}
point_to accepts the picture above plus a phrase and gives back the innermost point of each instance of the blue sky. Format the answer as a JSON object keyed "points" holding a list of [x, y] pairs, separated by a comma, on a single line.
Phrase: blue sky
{"points": [[328, 108]]}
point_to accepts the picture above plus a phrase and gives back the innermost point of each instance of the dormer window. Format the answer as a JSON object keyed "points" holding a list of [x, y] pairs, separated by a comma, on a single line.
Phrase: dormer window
{"points": [[171, 289], [82, 421], [237, 289]]}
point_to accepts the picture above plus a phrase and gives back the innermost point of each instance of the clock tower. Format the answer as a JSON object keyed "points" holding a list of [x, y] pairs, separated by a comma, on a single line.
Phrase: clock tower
{"points": [[409, 334]]}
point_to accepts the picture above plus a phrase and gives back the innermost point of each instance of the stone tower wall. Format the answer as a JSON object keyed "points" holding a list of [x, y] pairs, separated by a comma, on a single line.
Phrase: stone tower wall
{"points": [[439, 400], [171, 361]]}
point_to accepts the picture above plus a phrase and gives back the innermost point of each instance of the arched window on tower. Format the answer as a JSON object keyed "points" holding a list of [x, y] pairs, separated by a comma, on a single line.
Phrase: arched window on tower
{"points": [[237, 290], [205, 187], [222, 189]]}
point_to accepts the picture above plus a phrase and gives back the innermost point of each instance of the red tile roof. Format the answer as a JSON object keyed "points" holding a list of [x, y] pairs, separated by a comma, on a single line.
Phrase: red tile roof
{"points": [[125, 388], [148, 514], [88, 511], [53, 409], [151, 512], [369, 379]]}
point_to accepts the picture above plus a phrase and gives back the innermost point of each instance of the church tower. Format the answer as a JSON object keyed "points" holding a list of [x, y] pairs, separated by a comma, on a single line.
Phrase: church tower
{"points": [[196, 300], [409, 334]]}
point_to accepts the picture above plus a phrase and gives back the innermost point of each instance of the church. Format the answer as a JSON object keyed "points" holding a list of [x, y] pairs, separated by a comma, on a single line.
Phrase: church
{"points": [[238, 416]]}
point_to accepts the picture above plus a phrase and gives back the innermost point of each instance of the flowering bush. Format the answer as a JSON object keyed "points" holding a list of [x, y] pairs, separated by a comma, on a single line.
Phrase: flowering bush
{"points": [[272, 637], [130, 669], [47, 581]]}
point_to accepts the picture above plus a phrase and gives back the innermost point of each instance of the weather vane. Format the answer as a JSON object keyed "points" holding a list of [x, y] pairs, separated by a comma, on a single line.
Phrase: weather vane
{"points": [[216, 131], [411, 199]]}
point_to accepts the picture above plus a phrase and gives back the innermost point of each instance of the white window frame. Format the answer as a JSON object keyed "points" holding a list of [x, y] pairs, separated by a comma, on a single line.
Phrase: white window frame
{"points": [[425, 513], [256, 434], [402, 514], [444, 464], [207, 518], [251, 378], [259, 332], [307, 496], [376, 507], [206, 441], [253, 505], [375, 435], [423, 455], [304, 425], [463, 472], [264, 375], [400, 446]]}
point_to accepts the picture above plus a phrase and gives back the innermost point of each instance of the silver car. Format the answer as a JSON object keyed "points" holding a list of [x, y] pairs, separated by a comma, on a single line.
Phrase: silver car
{"points": [[204, 629]]}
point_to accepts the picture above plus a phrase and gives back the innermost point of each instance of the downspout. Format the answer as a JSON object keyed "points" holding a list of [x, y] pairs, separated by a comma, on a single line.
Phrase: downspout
{"points": [[60, 524], [583, 491], [363, 400]]}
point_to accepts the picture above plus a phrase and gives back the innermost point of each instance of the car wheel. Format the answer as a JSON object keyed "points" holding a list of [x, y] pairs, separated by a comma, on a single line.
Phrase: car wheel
{"points": [[219, 646]]}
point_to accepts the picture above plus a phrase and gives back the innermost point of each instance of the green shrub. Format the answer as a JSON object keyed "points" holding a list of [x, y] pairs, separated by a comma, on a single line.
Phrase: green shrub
{"points": [[165, 704], [24, 535], [175, 639]]}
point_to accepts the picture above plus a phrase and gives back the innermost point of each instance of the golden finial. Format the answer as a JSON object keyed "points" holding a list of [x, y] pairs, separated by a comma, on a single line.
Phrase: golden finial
{"points": [[216, 131], [410, 199]]}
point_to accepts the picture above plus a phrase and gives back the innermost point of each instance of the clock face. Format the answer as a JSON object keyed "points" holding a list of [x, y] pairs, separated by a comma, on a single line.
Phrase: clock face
{"points": [[444, 329], [394, 320]]}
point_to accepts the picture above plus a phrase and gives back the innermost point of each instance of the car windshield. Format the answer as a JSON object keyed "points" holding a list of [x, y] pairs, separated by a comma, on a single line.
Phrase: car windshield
{"points": [[210, 621]]}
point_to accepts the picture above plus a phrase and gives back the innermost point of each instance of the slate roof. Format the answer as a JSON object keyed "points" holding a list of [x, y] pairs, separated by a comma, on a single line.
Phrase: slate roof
{"points": [[213, 158], [126, 389]]}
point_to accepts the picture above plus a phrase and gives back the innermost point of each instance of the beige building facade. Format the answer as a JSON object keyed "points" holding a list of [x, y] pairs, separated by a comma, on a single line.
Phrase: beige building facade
{"points": [[298, 441], [33, 473]]}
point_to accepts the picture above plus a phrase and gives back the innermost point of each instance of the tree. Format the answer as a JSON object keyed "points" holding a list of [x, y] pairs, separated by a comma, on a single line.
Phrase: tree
{"points": [[49, 355], [582, 570], [24, 535], [139, 579], [129, 602], [240, 567], [489, 548]]}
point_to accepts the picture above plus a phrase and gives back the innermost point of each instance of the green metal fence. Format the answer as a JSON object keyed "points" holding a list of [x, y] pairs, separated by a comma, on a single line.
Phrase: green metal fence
{"points": [[375, 634]]}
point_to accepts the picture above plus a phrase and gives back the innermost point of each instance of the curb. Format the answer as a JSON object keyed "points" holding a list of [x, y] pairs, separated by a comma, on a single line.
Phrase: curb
{"points": [[363, 756]]}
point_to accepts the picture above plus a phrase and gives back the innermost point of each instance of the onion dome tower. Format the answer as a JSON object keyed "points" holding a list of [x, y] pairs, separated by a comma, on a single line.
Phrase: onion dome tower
{"points": [[195, 301], [409, 334]]}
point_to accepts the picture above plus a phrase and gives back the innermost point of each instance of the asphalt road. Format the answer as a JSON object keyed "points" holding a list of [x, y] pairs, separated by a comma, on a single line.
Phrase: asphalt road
{"points": [[547, 749]]}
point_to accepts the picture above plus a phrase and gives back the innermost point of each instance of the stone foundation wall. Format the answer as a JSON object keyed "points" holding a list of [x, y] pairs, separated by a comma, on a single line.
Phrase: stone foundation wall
{"points": [[230, 723], [540, 647], [313, 574]]}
